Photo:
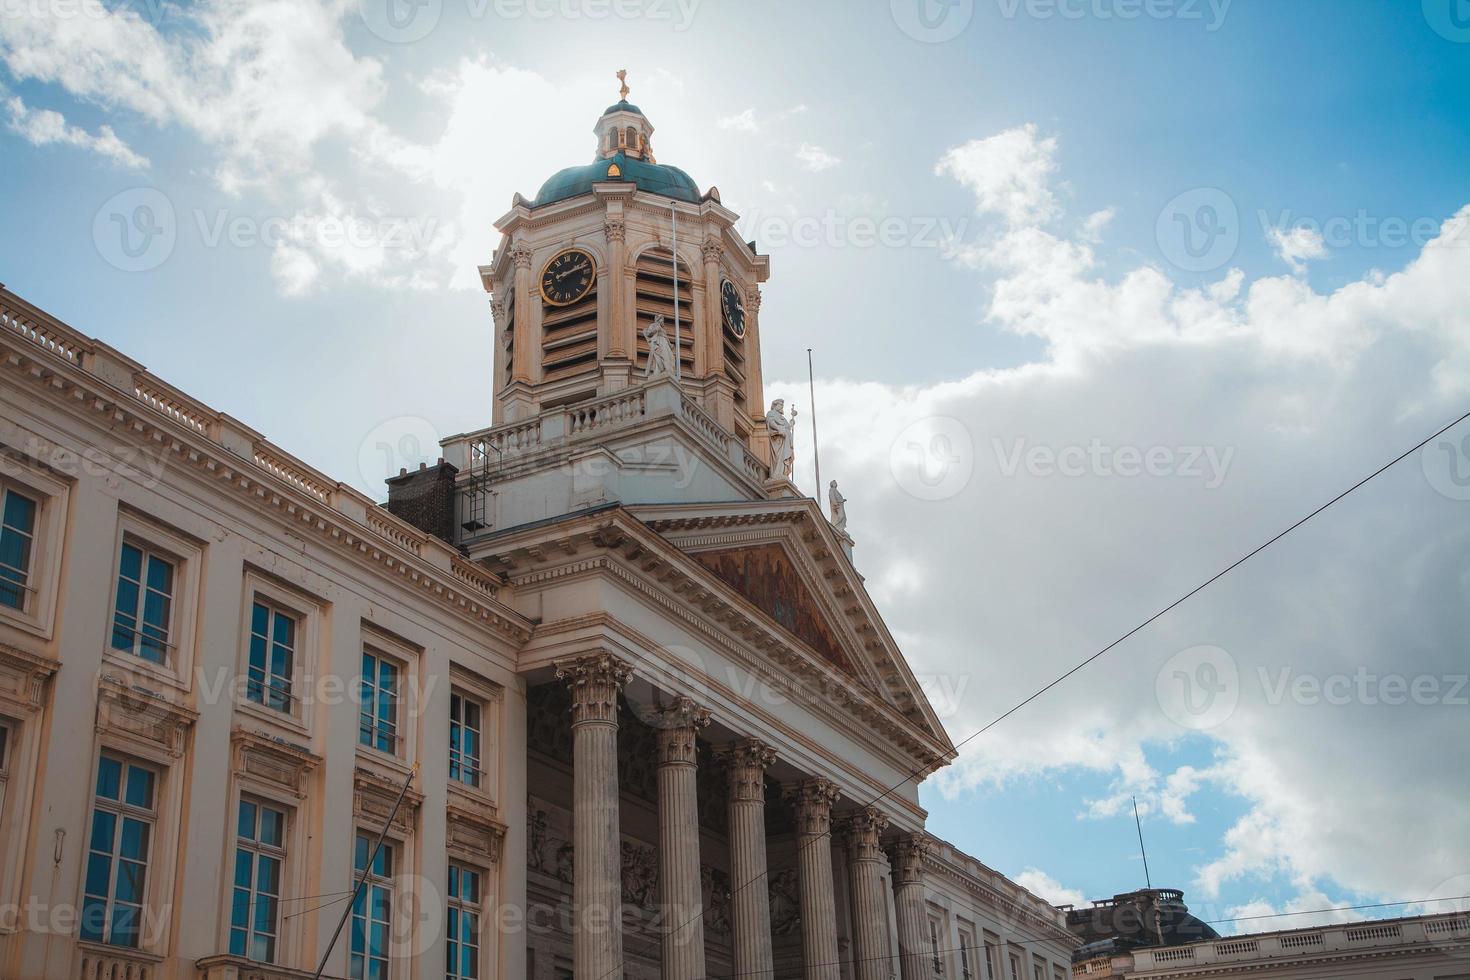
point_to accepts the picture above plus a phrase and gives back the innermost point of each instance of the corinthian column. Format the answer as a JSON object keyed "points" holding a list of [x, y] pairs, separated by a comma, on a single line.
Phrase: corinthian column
{"points": [[906, 854], [678, 841], [814, 799], [869, 910], [750, 902], [597, 923], [521, 363]]}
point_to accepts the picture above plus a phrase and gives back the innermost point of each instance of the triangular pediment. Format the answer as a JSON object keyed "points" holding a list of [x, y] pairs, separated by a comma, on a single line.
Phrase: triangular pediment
{"points": [[766, 576], [784, 559]]}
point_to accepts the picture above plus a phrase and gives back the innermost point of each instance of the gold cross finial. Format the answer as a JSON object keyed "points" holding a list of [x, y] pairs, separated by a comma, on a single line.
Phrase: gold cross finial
{"points": [[623, 77]]}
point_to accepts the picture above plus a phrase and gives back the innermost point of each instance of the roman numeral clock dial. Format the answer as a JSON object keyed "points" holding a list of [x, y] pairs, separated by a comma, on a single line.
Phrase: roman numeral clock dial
{"points": [[567, 277], [733, 308]]}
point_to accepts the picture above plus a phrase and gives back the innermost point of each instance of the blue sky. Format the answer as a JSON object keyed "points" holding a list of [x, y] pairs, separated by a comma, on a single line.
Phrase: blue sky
{"points": [[1036, 167]]}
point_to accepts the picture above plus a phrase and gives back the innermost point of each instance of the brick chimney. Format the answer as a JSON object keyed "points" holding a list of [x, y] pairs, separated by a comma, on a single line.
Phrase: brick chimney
{"points": [[425, 498]]}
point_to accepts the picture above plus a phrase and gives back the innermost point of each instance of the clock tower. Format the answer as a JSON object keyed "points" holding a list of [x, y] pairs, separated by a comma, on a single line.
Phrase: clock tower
{"points": [[627, 346]]}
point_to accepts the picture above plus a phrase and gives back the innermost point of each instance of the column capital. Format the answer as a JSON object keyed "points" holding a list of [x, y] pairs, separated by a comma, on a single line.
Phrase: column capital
{"points": [[614, 229], [747, 760], [906, 852], [714, 249], [677, 725], [812, 801], [863, 830], [594, 681], [520, 254]]}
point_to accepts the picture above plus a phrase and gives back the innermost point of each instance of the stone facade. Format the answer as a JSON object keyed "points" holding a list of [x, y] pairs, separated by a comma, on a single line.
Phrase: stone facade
{"points": [[619, 698]]}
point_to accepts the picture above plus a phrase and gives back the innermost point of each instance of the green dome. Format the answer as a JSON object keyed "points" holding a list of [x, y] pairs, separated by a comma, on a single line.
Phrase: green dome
{"points": [[655, 178], [623, 106]]}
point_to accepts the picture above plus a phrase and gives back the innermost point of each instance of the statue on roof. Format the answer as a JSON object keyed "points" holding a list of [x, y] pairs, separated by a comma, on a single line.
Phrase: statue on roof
{"points": [[839, 507], [623, 78], [660, 362], [783, 441]]}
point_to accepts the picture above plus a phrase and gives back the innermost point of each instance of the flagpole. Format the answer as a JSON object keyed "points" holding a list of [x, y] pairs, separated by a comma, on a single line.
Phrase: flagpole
{"points": [[678, 350]]}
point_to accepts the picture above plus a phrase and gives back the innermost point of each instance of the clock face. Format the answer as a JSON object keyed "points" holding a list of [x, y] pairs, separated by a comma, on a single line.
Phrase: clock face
{"points": [[567, 277], [733, 308]]}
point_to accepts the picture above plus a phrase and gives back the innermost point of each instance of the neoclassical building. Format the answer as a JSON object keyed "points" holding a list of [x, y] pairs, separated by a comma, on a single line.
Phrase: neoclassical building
{"points": [[600, 695]]}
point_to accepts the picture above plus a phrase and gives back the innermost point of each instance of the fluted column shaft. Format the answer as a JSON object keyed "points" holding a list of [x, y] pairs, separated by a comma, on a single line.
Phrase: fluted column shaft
{"points": [[813, 806], [869, 909], [750, 902], [521, 356], [597, 921], [678, 841], [906, 853], [619, 326]]}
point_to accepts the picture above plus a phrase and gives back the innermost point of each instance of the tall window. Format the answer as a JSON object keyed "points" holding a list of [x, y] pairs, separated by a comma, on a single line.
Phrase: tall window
{"points": [[464, 739], [372, 912], [145, 597], [272, 657], [17, 535], [934, 948], [378, 716], [992, 961], [260, 854], [123, 818], [4, 760], [462, 950], [967, 943]]}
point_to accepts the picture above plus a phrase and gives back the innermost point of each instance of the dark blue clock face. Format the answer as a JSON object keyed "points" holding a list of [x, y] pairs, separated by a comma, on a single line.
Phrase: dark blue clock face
{"points": [[567, 277], [733, 308]]}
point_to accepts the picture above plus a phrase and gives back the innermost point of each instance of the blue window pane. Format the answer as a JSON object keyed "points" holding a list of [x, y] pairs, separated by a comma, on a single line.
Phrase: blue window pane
{"points": [[94, 918], [130, 563], [247, 820], [160, 575], [285, 630], [272, 827], [453, 883], [130, 881], [240, 908], [104, 828], [124, 930], [263, 949], [237, 942], [268, 876], [134, 842], [244, 868], [260, 616], [140, 787], [99, 873], [20, 512], [109, 778], [360, 853]]}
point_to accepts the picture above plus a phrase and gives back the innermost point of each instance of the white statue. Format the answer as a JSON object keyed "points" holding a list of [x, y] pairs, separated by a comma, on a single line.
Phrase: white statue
{"points": [[839, 507], [660, 354], [783, 448]]}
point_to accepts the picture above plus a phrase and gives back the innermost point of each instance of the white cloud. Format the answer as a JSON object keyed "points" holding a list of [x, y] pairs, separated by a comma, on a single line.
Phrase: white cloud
{"points": [[42, 127], [1009, 174], [1040, 883], [1297, 246], [1027, 573], [1096, 223], [816, 159], [742, 121]]}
